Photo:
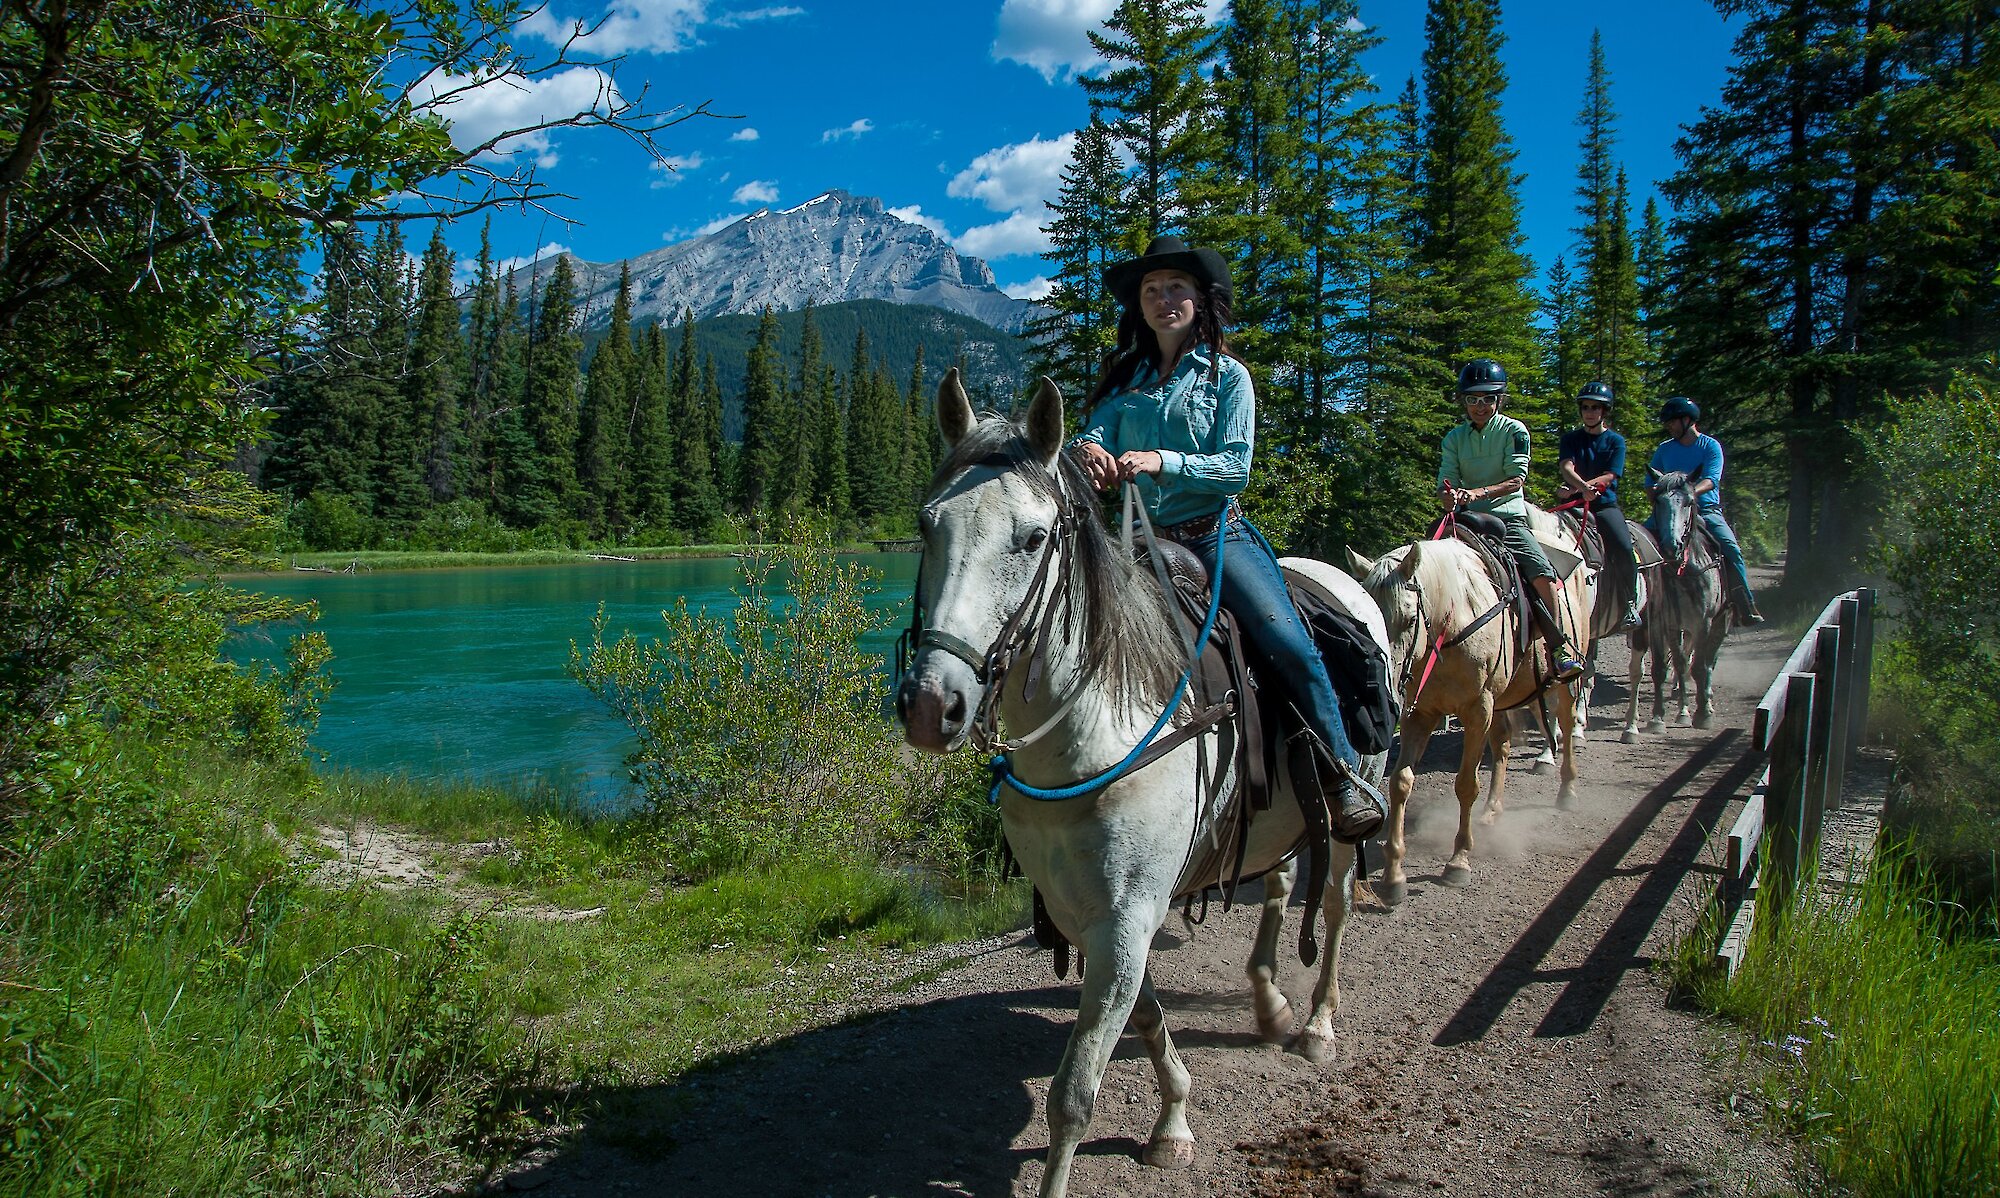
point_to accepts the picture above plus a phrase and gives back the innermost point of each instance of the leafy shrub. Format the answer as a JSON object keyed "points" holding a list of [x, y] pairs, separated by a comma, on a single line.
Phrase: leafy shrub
{"points": [[327, 521], [764, 735], [1938, 674]]}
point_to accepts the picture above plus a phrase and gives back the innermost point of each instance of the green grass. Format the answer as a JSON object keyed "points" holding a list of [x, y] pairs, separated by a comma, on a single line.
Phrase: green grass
{"points": [[1880, 1029], [191, 1008]]}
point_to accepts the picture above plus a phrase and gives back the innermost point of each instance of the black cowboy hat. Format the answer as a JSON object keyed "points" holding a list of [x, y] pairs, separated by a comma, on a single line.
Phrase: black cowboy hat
{"points": [[1205, 266]]}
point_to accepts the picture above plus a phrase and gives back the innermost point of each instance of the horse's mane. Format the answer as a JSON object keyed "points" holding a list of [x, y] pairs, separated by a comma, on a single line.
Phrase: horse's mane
{"points": [[1453, 577], [1113, 608]]}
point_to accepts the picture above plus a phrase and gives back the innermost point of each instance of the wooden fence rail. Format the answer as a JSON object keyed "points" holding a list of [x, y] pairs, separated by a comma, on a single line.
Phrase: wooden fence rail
{"points": [[1808, 725]]}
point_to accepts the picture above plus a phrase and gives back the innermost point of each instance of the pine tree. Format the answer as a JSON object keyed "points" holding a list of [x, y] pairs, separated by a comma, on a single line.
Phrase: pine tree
{"points": [[476, 395], [1469, 209], [1650, 274], [1151, 97], [402, 440], [763, 454], [1563, 342], [650, 462], [723, 453], [803, 482], [324, 440], [1080, 321], [604, 421], [550, 400], [503, 434], [1607, 292], [696, 491], [917, 425], [832, 486], [873, 460], [437, 371]]}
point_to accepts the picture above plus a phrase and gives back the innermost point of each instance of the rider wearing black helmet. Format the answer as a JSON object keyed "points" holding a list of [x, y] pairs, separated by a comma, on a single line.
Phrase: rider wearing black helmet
{"points": [[1484, 468], [1592, 459], [1689, 450]]}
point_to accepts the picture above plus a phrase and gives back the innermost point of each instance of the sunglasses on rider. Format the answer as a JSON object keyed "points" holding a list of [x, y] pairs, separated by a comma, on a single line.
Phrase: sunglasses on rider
{"points": [[1480, 400]]}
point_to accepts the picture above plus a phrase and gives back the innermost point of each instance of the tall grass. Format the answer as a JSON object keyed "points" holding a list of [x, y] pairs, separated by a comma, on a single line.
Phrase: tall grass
{"points": [[1881, 1029]]}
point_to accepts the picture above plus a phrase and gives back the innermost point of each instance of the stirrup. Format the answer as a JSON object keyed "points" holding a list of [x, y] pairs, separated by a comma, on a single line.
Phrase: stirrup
{"points": [[1567, 669], [1364, 811]]}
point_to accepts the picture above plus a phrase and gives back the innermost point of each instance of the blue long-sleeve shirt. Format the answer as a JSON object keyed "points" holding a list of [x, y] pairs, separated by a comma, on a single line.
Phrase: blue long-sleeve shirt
{"points": [[1701, 460], [1201, 420]]}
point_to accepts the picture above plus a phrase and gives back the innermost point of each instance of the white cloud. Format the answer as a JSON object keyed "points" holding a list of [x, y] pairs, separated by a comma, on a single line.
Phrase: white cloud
{"points": [[673, 166], [756, 191], [745, 135], [1011, 178], [731, 20], [914, 214], [1049, 35], [1037, 288], [478, 112], [856, 129], [660, 26], [1019, 234], [1356, 25]]}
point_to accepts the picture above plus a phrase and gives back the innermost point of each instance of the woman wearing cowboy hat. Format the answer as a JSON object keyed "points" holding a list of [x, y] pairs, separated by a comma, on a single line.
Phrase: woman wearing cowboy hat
{"points": [[1175, 413]]}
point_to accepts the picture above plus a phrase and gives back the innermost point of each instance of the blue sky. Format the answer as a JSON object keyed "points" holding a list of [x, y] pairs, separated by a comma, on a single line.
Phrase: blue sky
{"points": [[957, 112]]}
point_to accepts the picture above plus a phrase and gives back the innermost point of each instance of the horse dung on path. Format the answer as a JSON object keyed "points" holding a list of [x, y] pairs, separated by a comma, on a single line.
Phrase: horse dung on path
{"points": [[1687, 616], [1018, 571], [1455, 644]]}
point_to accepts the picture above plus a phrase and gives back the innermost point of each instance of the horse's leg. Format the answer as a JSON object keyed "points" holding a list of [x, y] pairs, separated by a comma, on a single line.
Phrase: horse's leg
{"points": [[1683, 656], [1704, 672], [1500, 742], [1546, 759], [1583, 689], [1631, 734], [1274, 1011], [1315, 1040], [1172, 1144], [1567, 718], [1660, 656], [1113, 971], [1478, 721], [1417, 731]]}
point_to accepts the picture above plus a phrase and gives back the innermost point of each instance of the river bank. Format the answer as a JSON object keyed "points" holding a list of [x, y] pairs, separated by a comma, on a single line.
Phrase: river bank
{"points": [[355, 561]]}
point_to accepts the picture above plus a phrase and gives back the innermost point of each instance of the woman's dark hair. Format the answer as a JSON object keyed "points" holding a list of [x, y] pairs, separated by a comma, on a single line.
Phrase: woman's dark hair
{"points": [[1138, 347]]}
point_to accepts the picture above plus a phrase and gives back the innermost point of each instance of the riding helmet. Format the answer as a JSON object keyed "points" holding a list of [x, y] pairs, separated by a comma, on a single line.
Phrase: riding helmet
{"points": [[1480, 376], [1679, 406], [1596, 393]]}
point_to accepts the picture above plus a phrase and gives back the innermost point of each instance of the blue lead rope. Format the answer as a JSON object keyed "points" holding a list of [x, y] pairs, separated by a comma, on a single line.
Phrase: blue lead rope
{"points": [[1003, 770]]}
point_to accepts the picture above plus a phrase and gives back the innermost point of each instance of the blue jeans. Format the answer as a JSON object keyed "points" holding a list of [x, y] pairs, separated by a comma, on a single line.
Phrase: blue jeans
{"points": [[1718, 527], [1253, 589]]}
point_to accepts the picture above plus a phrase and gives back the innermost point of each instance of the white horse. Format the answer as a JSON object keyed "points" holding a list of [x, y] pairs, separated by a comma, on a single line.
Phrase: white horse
{"points": [[1688, 616], [1439, 600], [1015, 554]]}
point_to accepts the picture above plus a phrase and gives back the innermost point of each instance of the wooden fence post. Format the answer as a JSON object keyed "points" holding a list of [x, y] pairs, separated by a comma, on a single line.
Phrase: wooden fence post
{"points": [[1864, 665], [1847, 685], [1827, 733], [1785, 799]]}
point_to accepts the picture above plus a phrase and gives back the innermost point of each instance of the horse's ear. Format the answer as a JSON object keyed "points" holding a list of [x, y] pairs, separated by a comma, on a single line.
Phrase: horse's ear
{"points": [[1045, 421], [1357, 565], [954, 410], [1408, 566], [1653, 474]]}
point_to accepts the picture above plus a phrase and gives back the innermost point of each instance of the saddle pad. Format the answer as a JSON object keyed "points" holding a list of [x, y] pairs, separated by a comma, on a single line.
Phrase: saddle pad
{"points": [[1560, 557], [1643, 543]]}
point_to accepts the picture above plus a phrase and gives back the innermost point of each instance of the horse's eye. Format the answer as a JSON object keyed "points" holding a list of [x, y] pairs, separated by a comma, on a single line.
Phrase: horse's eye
{"points": [[1036, 540]]}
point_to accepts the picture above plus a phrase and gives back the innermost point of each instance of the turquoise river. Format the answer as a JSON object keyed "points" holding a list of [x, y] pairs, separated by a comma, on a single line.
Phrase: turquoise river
{"points": [[461, 674]]}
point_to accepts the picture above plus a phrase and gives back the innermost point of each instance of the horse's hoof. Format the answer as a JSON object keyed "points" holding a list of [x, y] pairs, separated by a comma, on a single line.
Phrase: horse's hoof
{"points": [[1170, 1153], [1392, 893], [1314, 1047], [1703, 720], [1656, 726], [1565, 799], [1630, 736], [1273, 1028], [1486, 821], [1541, 767], [1457, 875]]}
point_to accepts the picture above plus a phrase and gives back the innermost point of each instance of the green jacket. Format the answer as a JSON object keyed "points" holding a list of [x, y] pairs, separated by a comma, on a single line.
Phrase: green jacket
{"points": [[1481, 457]]}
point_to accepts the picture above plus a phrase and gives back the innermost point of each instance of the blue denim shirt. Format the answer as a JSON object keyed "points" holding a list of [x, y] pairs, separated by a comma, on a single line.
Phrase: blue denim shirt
{"points": [[1201, 420], [1701, 460]]}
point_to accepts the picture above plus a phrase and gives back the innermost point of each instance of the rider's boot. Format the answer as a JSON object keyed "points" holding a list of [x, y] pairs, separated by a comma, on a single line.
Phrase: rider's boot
{"points": [[1358, 808], [1631, 621], [1562, 658], [1745, 606]]}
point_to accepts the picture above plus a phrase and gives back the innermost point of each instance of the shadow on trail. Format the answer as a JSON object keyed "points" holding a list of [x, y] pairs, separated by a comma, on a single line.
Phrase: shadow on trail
{"points": [[921, 1100], [1589, 986]]}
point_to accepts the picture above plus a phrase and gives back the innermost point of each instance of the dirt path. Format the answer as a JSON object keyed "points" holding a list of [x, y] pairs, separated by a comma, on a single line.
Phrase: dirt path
{"points": [[1509, 1038]]}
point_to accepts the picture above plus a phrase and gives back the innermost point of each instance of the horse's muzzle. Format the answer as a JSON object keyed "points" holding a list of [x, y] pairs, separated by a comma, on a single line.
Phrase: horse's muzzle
{"points": [[934, 716]]}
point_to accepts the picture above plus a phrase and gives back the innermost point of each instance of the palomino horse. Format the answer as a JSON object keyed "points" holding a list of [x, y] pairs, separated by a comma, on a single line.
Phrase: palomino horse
{"points": [[1687, 617], [1015, 555], [1440, 601]]}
